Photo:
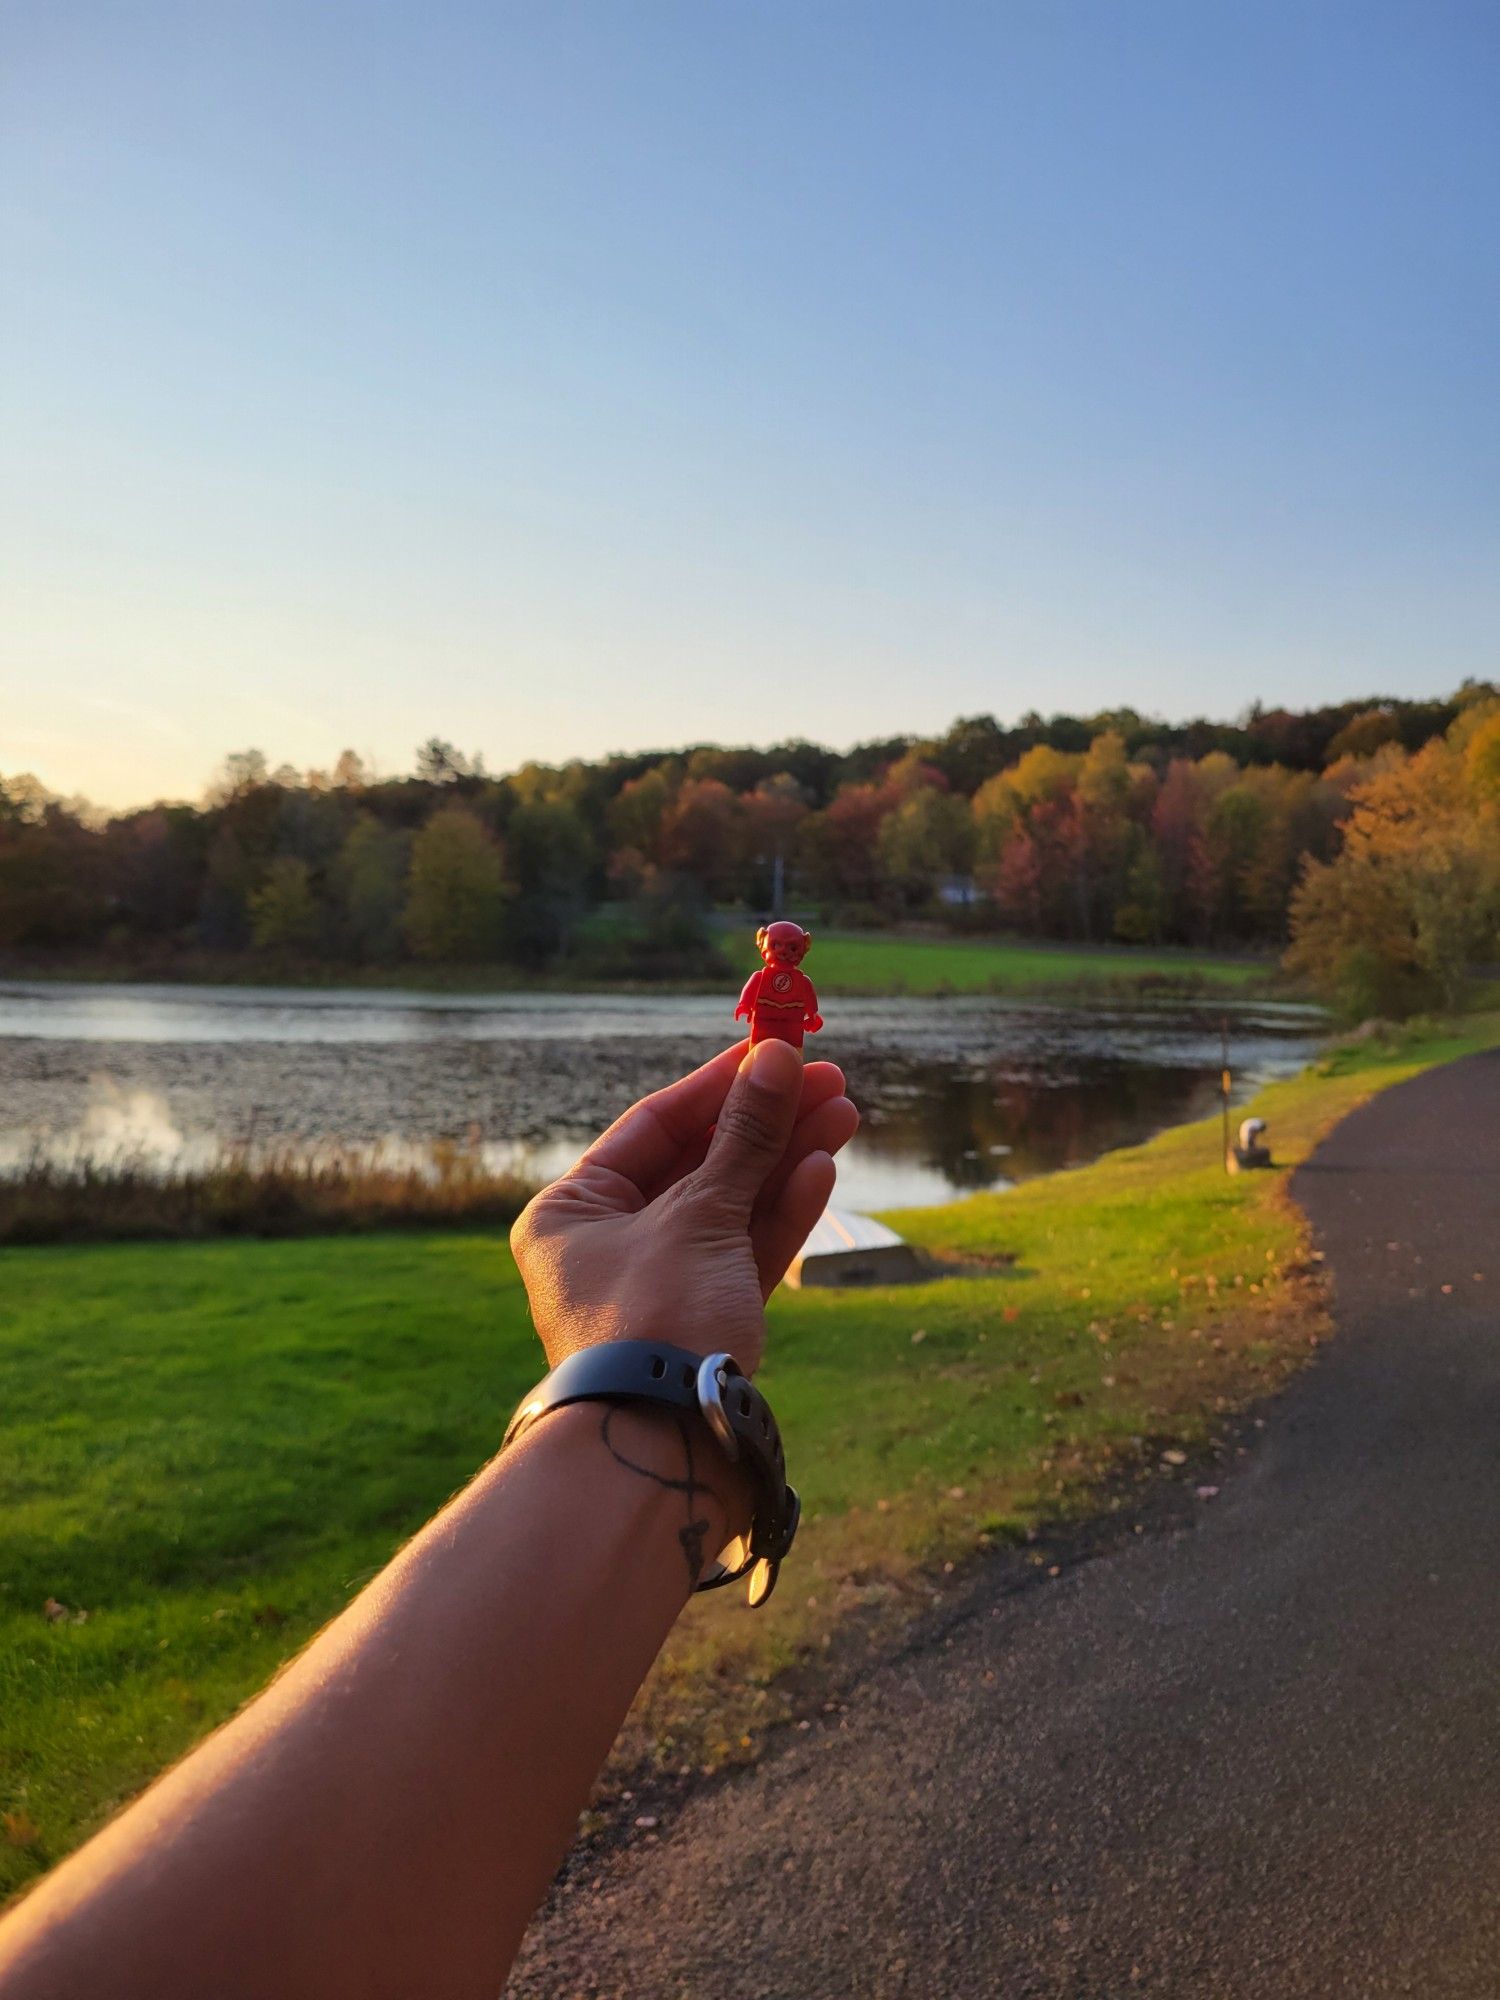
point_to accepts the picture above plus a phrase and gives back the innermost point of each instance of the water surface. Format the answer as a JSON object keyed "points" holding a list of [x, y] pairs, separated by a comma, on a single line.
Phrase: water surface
{"points": [[957, 1094]]}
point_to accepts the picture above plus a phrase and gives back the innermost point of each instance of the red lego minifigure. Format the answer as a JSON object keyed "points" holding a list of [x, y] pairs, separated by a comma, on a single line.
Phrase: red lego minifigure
{"points": [[779, 1001]]}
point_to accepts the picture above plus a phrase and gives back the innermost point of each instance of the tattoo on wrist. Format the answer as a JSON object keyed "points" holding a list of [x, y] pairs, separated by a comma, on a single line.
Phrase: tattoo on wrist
{"points": [[691, 1535]]}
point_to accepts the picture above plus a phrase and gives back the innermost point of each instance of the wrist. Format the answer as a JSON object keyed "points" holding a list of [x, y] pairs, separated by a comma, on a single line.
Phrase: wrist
{"points": [[679, 1453], [659, 1476], [686, 1395]]}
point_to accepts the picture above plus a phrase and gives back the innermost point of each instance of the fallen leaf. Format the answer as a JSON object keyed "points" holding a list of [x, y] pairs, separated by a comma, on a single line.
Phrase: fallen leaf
{"points": [[21, 1830], [1174, 1458]]}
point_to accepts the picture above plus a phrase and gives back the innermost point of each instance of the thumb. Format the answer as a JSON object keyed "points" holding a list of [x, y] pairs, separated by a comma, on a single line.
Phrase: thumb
{"points": [[754, 1126]]}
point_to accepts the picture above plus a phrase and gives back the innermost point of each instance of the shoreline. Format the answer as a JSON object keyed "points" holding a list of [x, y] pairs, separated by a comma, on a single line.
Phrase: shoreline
{"points": [[940, 965]]}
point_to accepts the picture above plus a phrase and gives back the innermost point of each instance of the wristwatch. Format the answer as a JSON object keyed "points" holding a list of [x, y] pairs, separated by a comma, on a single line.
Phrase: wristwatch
{"points": [[714, 1387]]}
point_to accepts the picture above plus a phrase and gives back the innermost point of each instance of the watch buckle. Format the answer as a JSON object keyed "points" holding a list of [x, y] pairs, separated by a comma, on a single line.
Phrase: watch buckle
{"points": [[713, 1379], [762, 1581]]}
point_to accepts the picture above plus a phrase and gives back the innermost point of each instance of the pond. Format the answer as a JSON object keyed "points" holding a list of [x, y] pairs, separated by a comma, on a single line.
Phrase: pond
{"points": [[957, 1094]]}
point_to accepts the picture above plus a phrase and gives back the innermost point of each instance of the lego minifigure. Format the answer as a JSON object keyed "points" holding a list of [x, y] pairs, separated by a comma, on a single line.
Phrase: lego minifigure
{"points": [[779, 1001]]}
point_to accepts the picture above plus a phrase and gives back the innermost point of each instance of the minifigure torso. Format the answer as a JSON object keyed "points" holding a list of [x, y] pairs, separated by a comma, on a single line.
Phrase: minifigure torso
{"points": [[778, 1000]]}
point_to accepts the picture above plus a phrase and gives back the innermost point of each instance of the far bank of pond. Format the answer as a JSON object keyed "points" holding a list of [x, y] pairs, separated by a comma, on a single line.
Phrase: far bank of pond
{"points": [[865, 963]]}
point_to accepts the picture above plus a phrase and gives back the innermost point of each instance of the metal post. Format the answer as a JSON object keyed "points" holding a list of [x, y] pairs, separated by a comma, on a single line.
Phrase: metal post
{"points": [[1224, 1082]]}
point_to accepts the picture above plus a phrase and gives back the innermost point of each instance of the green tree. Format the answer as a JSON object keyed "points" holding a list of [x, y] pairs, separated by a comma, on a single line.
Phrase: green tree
{"points": [[551, 856], [284, 909], [457, 887], [1142, 913], [369, 879], [228, 879], [930, 834]]}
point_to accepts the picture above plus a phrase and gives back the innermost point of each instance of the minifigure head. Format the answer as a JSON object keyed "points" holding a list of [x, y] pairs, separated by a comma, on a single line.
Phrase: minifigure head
{"points": [[783, 943]]}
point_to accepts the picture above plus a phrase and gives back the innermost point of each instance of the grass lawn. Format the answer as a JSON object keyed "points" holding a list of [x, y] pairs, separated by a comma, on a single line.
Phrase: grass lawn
{"points": [[208, 1447], [879, 962], [843, 962]]}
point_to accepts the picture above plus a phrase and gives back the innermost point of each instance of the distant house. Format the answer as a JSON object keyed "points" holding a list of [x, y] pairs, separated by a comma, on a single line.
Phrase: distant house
{"points": [[959, 892]]}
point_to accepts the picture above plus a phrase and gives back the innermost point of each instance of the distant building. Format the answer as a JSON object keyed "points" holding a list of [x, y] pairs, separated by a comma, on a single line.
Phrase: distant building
{"points": [[960, 892]]}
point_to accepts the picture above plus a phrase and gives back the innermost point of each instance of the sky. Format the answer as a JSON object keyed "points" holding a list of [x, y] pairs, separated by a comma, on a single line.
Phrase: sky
{"points": [[566, 377]]}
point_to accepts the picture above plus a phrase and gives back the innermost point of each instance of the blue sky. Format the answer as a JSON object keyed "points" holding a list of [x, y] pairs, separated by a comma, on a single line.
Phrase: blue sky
{"points": [[566, 377]]}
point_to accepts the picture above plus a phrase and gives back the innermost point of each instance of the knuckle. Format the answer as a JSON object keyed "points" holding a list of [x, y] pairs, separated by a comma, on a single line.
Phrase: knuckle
{"points": [[751, 1125], [704, 1202]]}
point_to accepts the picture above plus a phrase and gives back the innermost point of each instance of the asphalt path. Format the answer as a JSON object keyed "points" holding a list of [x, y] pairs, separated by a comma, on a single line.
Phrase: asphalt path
{"points": [[1259, 1755]]}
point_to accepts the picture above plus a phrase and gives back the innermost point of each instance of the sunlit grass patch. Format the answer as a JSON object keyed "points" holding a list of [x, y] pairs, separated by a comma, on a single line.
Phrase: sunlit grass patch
{"points": [[882, 962]]}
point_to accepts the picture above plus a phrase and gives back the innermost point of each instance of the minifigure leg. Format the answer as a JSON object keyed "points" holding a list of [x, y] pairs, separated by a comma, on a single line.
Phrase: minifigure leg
{"points": [[765, 1028]]}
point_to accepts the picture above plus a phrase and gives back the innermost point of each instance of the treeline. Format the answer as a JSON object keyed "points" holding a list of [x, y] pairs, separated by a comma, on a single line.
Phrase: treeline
{"points": [[1111, 826]]}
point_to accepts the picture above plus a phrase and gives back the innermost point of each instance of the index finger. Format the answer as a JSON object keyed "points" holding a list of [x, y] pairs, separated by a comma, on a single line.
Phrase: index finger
{"points": [[644, 1142]]}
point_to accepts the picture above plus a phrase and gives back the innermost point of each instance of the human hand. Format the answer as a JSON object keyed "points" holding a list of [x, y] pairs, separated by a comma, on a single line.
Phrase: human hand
{"points": [[680, 1221]]}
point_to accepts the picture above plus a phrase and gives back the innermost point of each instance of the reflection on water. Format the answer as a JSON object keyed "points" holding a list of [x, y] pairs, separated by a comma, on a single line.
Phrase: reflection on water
{"points": [[956, 1094], [981, 1131], [189, 1014]]}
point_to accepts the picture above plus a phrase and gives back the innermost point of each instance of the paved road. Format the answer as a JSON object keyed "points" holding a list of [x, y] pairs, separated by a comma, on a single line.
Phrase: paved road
{"points": [[1258, 1757]]}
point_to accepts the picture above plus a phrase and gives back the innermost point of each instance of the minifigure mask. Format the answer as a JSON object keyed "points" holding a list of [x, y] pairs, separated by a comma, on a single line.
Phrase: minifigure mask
{"points": [[782, 943]]}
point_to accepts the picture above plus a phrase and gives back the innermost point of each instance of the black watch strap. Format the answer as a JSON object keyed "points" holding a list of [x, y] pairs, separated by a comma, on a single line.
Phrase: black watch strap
{"points": [[713, 1387]]}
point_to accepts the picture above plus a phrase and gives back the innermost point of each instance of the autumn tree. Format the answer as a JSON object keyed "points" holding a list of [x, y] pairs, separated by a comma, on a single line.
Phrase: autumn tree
{"points": [[1412, 901], [839, 846], [701, 835], [773, 813], [636, 812]]}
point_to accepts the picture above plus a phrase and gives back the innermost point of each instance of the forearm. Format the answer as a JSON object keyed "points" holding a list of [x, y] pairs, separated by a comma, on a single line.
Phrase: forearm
{"points": [[386, 1816]]}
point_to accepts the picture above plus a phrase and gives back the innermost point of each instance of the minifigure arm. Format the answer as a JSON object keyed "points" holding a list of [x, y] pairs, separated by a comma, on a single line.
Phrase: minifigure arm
{"points": [[812, 1020], [747, 998]]}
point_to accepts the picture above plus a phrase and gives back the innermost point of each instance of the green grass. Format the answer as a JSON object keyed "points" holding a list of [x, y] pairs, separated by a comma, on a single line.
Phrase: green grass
{"points": [[880, 962], [209, 1447], [853, 962]]}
